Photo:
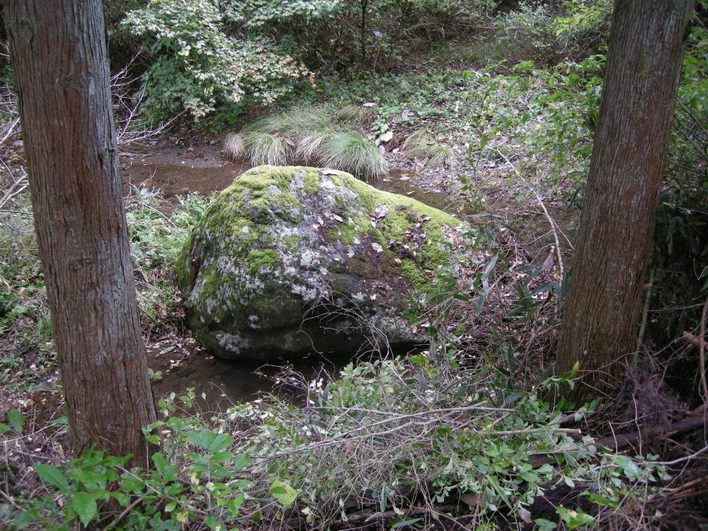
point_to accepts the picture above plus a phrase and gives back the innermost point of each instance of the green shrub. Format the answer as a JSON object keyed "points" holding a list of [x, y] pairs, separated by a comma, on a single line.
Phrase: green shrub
{"points": [[526, 34], [330, 34], [385, 437], [199, 67], [195, 479], [585, 24]]}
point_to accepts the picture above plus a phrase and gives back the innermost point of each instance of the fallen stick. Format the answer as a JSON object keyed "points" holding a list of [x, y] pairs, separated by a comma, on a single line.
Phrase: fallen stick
{"points": [[694, 340], [624, 440], [650, 434]]}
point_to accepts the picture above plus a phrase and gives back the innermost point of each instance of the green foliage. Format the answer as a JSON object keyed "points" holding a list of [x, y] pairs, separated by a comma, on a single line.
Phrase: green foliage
{"points": [[200, 68], [330, 34], [429, 427], [25, 325], [542, 116], [15, 419], [254, 14], [584, 22], [156, 239], [196, 479], [526, 34]]}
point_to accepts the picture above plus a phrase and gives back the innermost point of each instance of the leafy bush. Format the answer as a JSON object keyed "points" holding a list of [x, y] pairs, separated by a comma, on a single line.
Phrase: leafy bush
{"points": [[584, 25], [526, 34], [200, 68], [194, 479], [400, 433]]}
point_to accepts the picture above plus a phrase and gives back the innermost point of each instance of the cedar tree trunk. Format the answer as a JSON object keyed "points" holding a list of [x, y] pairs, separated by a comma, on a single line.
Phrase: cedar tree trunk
{"points": [[58, 53], [602, 312]]}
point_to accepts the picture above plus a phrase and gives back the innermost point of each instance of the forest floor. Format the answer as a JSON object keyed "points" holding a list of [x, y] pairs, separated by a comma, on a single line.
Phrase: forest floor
{"points": [[503, 176]]}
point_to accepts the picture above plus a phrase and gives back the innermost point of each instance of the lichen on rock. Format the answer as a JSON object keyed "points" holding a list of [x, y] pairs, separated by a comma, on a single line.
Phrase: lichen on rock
{"points": [[288, 260]]}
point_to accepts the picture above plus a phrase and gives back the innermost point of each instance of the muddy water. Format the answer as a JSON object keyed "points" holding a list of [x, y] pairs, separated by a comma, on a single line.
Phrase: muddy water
{"points": [[176, 179], [179, 363]]}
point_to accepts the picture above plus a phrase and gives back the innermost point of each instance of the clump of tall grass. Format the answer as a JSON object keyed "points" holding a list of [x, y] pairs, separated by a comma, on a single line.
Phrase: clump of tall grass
{"points": [[317, 135], [267, 148], [422, 145], [354, 153]]}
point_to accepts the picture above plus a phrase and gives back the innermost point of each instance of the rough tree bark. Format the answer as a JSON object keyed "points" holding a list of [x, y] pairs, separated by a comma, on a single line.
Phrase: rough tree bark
{"points": [[58, 53], [602, 312]]}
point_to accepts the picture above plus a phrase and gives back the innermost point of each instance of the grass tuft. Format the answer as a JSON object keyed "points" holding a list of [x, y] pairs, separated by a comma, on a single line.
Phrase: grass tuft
{"points": [[316, 135], [235, 146], [353, 114], [309, 147], [267, 148], [352, 152]]}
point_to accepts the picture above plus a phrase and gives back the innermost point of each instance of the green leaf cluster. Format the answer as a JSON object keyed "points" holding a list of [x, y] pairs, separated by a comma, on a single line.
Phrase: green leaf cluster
{"points": [[199, 66]]}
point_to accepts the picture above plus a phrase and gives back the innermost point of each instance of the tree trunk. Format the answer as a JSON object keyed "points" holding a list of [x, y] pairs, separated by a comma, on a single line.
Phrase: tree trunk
{"points": [[362, 30], [602, 312], [58, 53]]}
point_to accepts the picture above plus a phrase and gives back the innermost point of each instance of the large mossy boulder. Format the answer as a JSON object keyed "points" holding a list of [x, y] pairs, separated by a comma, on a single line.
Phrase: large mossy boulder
{"points": [[289, 260]]}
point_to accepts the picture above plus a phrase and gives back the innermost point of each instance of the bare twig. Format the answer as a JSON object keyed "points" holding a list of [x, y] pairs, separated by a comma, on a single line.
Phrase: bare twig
{"points": [[18, 185], [702, 349], [125, 512], [645, 315], [551, 221], [10, 130], [684, 459]]}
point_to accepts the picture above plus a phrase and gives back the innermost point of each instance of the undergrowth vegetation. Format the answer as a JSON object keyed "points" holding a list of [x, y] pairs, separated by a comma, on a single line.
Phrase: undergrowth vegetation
{"points": [[408, 439], [25, 325]]}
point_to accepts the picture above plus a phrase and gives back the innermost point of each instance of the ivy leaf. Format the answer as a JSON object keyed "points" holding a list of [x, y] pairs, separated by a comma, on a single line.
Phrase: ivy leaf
{"points": [[234, 504], [16, 420], [283, 493], [574, 519], [220, 443], [51, 475], [204, 438], [545, 525], [241, 462], [163, 466], [85, 507]]}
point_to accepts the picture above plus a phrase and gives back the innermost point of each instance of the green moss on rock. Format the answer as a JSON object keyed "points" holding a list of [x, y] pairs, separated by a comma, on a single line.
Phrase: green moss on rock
{"points": [[261, 261], [282, 247]]}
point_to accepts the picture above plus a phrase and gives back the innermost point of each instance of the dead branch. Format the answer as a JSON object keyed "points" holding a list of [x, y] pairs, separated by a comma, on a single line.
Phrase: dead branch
{"points": [[652, 433], [694, 340], [370, 517], [702, 348], [551, 221]]}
